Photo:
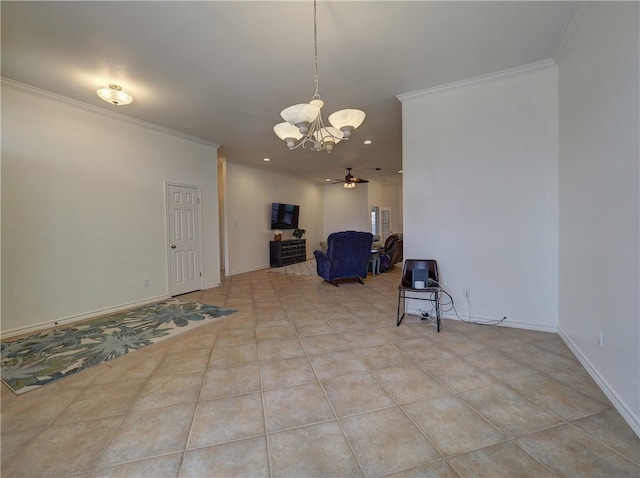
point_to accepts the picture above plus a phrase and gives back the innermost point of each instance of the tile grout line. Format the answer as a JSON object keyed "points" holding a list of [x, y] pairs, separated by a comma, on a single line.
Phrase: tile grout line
{"points": [[126, 416], [326, 397], [195, 410], [262, 398]]}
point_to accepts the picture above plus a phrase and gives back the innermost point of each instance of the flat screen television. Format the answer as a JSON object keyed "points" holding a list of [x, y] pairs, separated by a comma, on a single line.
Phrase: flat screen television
{"points": [[284, 216]]}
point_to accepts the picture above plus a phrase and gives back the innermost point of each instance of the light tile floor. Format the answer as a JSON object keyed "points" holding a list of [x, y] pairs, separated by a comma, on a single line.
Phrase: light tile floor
{"points": [[311, 380]]}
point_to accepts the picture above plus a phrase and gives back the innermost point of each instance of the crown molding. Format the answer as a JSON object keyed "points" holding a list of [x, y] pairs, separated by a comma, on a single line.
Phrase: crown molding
{"points": [[511, 72], [32, 90]]}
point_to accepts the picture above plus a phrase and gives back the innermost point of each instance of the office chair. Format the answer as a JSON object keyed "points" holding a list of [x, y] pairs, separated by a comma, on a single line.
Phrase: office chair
{"points": [[425, 273]]}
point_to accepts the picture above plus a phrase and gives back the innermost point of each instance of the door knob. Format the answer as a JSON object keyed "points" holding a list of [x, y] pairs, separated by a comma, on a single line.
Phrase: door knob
{"points": [[173, 246]]}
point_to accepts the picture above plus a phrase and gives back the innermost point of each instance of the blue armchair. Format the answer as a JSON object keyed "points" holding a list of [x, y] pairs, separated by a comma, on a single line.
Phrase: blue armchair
{"points": [[347, 256]]}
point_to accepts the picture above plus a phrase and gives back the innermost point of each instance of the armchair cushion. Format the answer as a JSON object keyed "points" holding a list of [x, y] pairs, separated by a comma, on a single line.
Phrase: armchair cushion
{"points": [[347, 256]]}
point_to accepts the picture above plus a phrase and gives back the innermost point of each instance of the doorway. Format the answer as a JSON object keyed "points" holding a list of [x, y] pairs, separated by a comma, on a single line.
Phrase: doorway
{"points": [[385, 223]]}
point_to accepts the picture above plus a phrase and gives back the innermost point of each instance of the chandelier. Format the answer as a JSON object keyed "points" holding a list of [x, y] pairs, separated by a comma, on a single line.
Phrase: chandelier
{"points": [[303, 122]]}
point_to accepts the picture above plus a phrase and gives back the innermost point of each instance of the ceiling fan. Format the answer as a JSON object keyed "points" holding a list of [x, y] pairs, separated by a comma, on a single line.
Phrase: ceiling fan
{"points": [[350, 181]]}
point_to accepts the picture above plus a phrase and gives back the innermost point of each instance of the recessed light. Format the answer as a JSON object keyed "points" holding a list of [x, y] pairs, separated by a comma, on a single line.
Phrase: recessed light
{"points": [[266, 160], [400, 171], [367, 141], [328, 180]]}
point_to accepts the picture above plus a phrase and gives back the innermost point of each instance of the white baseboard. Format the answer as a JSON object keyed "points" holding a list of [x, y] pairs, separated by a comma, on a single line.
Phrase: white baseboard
{"points": [[494, 320], [76, 318], [243, 271], [629, 416]]}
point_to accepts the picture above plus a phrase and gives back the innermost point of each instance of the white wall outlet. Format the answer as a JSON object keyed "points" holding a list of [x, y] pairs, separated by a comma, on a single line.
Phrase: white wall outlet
{"points": [[600, 338], [146, 282], [466, 293]]}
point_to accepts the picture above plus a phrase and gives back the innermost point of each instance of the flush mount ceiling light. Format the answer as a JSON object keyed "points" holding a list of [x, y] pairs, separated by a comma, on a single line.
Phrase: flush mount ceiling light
{"points": [[304, 121], [114, 95]]}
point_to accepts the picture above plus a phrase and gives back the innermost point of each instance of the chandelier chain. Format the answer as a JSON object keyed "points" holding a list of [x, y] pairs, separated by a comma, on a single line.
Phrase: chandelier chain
{"points": [[315, 49]]}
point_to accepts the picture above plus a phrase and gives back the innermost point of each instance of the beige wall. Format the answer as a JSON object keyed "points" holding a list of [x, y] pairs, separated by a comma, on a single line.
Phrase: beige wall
{"points": [[481, 192], [599, 197], [249, 195], [83, 208]]}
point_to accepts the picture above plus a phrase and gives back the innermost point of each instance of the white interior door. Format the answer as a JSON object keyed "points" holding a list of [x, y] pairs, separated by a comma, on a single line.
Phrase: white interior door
{"points": [[185, 267]]}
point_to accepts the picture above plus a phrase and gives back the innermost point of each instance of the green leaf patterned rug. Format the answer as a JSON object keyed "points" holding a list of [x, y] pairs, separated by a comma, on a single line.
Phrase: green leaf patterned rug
{"points": [[43, 358]]}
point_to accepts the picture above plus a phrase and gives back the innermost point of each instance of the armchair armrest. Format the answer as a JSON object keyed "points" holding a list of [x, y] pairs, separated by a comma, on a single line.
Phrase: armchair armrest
{"points": [[323, 264]]}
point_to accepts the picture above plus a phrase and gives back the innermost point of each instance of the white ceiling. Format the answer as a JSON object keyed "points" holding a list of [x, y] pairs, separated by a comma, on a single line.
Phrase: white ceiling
{"points": [[223, 71]]}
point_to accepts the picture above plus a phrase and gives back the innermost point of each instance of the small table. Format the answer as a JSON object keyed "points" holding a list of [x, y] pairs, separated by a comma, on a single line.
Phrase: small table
{"points": [[374, 260]]}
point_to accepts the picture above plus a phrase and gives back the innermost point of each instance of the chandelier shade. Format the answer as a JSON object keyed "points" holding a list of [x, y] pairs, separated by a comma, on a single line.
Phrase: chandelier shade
{"points": [[346, 120], [327, 137], [306, 118], [302, 114], [287, 132], [328, 133]]}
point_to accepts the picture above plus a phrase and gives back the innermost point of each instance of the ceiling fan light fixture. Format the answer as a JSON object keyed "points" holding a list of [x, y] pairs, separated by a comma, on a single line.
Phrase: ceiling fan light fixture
{"points": [[114, 95], [350, 181], [307, 117]]}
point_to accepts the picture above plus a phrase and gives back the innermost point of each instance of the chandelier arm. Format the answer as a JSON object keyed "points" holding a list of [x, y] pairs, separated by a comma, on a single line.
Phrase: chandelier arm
{"points": [[308, 139]]}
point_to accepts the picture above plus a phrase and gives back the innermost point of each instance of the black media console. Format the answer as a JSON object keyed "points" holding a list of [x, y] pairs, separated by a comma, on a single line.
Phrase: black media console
{"points": [[282, 253]]}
